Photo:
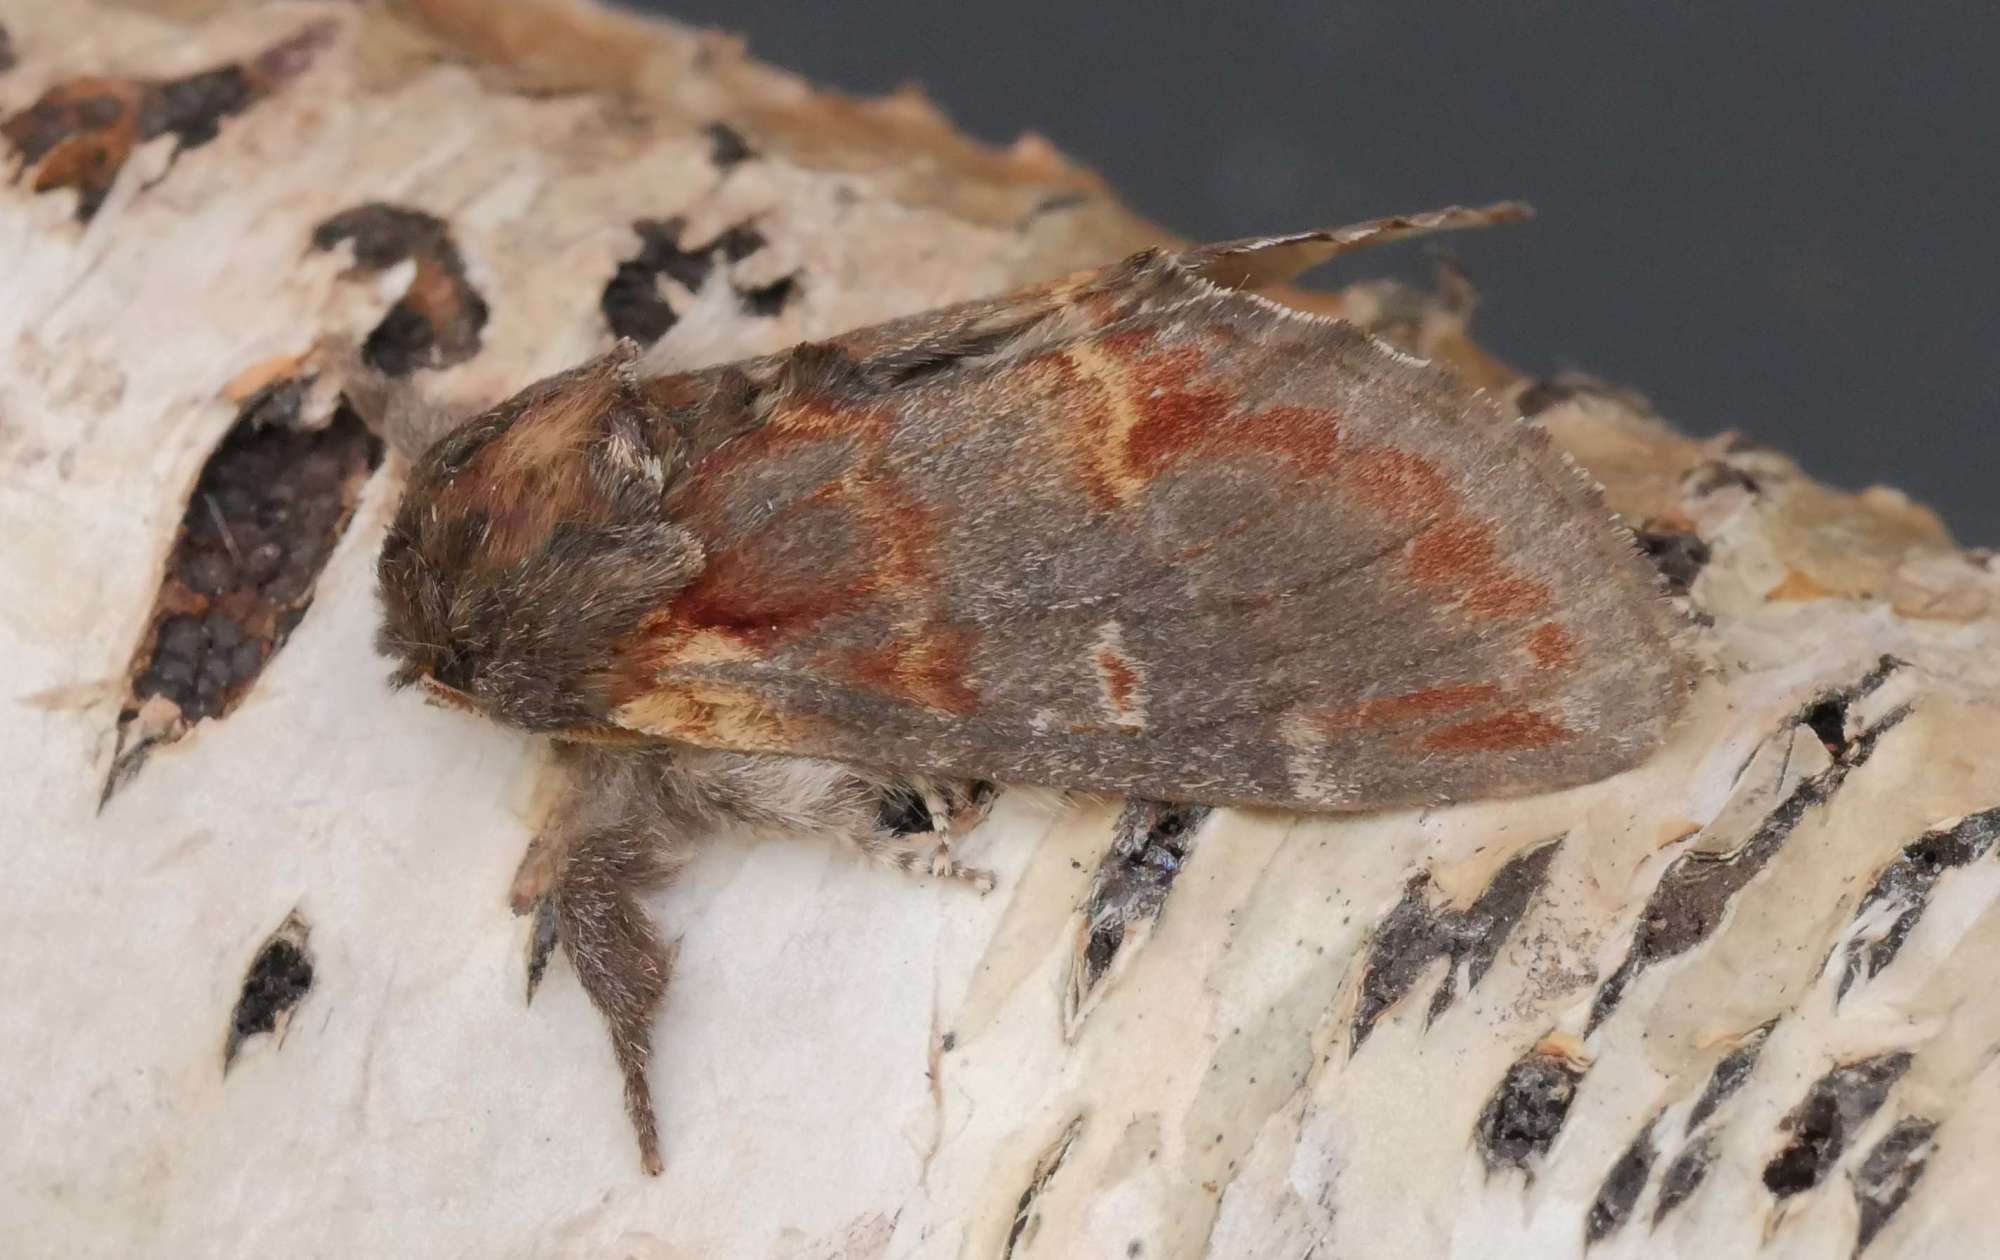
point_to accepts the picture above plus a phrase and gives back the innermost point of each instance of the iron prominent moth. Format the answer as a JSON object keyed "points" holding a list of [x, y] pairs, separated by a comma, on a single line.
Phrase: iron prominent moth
{"points": [[1133, 531]]}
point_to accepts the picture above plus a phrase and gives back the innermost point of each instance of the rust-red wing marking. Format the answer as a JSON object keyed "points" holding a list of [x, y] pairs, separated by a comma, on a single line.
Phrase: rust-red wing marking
{"points": [[818, 418], [1082, 409], [1127, 411], [1174, 417], [1130, 414], [752, 597], [1179, 419], [1405, 488], [1552, 646], [1511, 731], [903, 531], [1459, 554], [927, 664], [702, 498], [1453, 552], [1182, 424], [1121, 680], [1412, 706], [1135, 411], [756, 593]]}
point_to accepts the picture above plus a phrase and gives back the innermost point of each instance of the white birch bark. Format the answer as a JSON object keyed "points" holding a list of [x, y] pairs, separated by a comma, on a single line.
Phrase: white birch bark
{"points": [[1735, 1002]]}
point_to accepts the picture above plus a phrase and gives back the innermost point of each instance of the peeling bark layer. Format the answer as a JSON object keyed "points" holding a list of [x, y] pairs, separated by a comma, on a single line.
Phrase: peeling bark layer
{"points": [[1735, 1002]]}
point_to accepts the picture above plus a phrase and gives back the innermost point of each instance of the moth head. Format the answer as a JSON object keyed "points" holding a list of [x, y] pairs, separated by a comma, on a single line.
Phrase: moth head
{"points": [[529, 546]]}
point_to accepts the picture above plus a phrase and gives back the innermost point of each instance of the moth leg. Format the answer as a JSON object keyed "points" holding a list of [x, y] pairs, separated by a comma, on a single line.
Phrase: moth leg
{"points": [[922, 852], [533, 893], [966, 804], [916, 821], [542, 943], [595, 913]]}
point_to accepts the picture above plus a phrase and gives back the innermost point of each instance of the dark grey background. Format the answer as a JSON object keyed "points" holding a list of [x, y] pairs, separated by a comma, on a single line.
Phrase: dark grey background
{"points": [[1774, 217]]}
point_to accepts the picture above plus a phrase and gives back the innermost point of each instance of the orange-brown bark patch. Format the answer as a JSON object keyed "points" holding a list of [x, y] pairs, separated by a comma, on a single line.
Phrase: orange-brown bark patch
{"points": [[80, 133], [437, 295]]}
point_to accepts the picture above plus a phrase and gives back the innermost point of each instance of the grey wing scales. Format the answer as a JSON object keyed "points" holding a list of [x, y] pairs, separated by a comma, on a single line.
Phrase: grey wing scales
{"points": [[1215, 552]]}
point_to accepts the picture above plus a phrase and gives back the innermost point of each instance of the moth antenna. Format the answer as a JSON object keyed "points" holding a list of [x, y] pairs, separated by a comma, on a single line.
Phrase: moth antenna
{"points": [[1255, 262]]}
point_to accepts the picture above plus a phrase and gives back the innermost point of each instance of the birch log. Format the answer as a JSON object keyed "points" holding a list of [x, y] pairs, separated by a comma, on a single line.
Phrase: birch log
{"points": [[263, 992]]}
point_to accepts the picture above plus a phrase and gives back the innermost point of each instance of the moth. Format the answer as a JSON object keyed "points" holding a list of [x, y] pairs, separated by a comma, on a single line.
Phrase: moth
{"points": [[1136, 531]]}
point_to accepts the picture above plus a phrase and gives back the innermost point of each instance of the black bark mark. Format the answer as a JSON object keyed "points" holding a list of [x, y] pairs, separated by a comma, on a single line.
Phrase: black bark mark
{"points": [[80, 133], [770, 299], [1544, 394], [1150, 843], [1684, 1176], [1717, 475], [1622, 1186], [1827, 719], [726, 146], [1054, 203], [1827, 715], [1697, 889], [278, 980], [1416, 933], [1730, 1072], [634, 305], [1890, 1172], [437, 322], [737, 243], [270, 505], [1520, 1122], [1837, 1104], [1905, 886], [1027, 1221], [1678, 555]]}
